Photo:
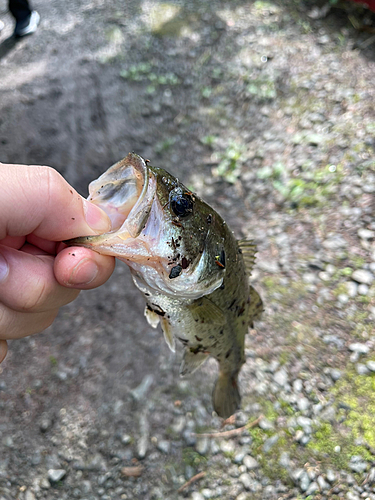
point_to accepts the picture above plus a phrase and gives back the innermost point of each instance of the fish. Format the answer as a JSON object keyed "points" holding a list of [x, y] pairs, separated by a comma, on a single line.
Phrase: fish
{"points": [[187, 263]]}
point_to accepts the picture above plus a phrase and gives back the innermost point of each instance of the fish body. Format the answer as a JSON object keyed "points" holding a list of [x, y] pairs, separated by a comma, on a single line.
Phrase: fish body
{"points": [[187, 263]]}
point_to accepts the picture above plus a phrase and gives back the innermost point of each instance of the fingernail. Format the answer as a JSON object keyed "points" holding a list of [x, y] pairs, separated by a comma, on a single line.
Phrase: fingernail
{"points": [[4, 269], [96, 218], [83, 273]]}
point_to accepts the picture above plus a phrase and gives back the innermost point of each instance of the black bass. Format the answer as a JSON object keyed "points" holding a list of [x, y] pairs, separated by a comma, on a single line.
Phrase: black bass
{"points": [[187, 263]]}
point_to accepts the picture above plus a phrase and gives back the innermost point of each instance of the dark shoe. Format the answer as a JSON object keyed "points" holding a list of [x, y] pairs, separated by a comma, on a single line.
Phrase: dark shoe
{"points": [[28, 26]]}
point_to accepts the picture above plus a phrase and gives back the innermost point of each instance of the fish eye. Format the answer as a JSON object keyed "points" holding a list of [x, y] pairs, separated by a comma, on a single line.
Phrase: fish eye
{"points": [[181, 204]]}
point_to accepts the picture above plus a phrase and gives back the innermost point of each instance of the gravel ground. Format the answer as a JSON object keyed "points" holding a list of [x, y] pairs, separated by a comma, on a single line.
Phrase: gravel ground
{"points": [[266, 109]]}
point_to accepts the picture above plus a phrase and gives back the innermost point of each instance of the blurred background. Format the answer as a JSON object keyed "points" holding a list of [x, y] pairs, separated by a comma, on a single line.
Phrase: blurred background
{"points": [[265, 109]]}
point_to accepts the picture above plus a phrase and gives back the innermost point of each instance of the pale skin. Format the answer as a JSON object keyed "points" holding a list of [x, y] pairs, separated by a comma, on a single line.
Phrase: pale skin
{"points": [[38, 273]]}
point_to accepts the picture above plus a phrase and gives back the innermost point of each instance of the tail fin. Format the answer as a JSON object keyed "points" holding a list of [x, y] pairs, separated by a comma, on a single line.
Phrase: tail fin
{"points": [[226, 396]]}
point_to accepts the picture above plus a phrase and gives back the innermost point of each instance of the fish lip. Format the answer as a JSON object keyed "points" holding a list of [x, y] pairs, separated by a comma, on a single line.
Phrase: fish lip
{"points": [[136, 219], [138, 215]]}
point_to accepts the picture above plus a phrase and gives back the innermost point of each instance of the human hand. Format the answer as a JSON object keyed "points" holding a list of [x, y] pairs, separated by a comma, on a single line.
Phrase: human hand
{"points": [[38, 273]]}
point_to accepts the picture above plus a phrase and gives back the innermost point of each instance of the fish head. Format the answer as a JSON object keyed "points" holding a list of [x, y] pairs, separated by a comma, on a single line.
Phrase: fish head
{"points": [[171, 239]]}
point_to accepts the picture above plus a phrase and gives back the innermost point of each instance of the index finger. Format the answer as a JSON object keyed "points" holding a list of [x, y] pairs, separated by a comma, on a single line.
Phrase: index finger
{"points": [[38, 200]]}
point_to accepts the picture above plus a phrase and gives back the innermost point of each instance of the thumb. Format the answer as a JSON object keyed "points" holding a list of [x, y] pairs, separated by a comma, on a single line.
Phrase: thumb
{"points": [[38, 200]]}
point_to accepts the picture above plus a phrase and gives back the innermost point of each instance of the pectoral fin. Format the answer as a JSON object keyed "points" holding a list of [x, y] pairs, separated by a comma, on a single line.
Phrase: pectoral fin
{"points": [[168, 335], [152, 318], [191, 361], [204, 310]]}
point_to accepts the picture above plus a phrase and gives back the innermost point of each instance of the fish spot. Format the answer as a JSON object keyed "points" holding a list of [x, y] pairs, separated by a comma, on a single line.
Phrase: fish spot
{"points": [[241, 311], [228, 354], [175, 271], [177, 223], [185, 263], [232, 304], [209, 219], [199, 340]]}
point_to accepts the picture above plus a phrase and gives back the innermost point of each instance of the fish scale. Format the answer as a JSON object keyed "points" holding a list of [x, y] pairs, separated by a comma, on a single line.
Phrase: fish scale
{"points": [[185, 260]]}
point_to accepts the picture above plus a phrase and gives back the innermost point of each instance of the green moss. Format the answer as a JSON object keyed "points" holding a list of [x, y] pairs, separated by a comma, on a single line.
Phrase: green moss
{"points": [[355, 420], [192, 458]]}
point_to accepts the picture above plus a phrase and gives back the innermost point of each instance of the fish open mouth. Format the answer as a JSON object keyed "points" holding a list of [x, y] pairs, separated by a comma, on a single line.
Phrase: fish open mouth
{"points": [[126, 193]]}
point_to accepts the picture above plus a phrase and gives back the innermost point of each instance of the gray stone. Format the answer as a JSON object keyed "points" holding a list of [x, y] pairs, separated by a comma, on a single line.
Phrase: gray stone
{"points": [[207, 493], [142, 389], [238, 458], [269, 266], [55, 475], [284, 460], [298, 435], [335, 374], [45, 424], [309, 278], [246, 480], [343, 298], [366, 234], [143, 442], [331, 476], [29, 495], [304, 421], [334, 243], [164, 446], [352, 496], [197, 496], [312, 488], [357, 464], [361, 369], [125, 439], [297, 385], [359, 348], [266, 425], [202, 445], [303, 404], [322, 483], [363, 276], [304, 481], [281, 377], [363, 289], [352, 288], [371, 365], [270, 442], [250, 462]]}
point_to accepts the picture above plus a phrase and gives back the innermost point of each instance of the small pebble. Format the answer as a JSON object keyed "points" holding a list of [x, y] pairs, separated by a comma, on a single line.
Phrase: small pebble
{"points": [[270, 442], [55, 475], [371, 365], [366, 234], [352, 288], [361, 369], [363, 276], [359, 348], [363, 289], [250, 462]]}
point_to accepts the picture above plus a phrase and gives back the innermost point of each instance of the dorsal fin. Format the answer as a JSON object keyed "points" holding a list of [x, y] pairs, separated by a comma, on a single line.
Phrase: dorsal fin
{"points": [[248, 249]]}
